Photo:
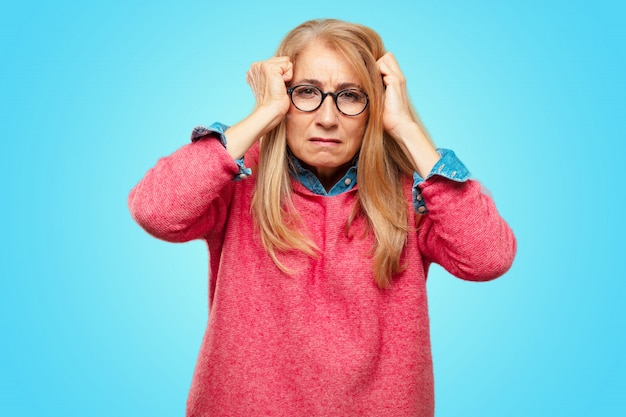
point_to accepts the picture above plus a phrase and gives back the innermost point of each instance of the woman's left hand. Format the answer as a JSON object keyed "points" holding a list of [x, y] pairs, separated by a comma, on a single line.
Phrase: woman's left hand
{"points": [[399, 120], [396, 111]]}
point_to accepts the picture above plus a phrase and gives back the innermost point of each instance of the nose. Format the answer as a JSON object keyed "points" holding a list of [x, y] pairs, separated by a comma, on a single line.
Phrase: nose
{"points": [[327, 113]]}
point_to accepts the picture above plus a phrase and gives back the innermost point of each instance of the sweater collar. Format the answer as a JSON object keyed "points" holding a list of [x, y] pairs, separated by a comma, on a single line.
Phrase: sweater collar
{"points": [[313, 184]]}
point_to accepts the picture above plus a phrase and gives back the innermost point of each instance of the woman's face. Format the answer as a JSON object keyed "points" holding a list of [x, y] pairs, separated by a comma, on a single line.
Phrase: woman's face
{"points": [[325, 139]]}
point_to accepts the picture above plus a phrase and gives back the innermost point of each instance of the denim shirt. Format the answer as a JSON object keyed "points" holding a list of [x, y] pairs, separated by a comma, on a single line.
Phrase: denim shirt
{"points": [[448, 166]]}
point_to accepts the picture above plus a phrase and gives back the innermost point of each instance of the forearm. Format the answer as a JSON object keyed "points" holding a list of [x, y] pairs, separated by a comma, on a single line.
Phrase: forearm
{"points": [[417, 146], [267, 80], [241, 136]]}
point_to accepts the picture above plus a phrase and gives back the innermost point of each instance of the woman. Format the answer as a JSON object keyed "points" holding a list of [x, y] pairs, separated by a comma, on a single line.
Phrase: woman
{"points": [[322, 211]]}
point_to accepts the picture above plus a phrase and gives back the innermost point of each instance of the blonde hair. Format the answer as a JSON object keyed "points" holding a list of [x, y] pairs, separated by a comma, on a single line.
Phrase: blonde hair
{"points": [[382, 163]]}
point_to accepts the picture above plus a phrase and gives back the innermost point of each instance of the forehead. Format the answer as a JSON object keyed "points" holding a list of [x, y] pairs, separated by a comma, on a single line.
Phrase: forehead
{"points": [[322, 64]]}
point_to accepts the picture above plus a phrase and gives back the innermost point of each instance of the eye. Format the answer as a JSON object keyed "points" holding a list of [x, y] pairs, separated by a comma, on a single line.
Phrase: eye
{"points": [[352, 96], [306, 92]]}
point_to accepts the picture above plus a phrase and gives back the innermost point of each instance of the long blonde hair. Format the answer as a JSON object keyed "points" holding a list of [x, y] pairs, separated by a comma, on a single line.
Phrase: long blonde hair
{"points": [[382, 163]]}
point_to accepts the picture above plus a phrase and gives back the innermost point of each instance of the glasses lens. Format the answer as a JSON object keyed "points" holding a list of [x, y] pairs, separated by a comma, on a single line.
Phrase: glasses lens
{"points": [[351, 102], [306, 97]]}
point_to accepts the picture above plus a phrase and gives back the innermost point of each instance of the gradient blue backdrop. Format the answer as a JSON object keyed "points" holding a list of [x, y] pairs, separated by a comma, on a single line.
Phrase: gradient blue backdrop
{"points": [[100, 319]]}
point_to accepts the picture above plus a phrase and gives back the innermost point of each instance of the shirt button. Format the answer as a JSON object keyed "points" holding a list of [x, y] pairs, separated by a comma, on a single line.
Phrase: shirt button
{"points": [[421, 209], [243, 176], [419, 197], [348, 181]]}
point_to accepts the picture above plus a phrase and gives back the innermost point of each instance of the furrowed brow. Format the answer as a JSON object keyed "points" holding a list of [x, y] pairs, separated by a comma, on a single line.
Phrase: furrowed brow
{"points": [[310, 81], [319, 84], [343, 86]]}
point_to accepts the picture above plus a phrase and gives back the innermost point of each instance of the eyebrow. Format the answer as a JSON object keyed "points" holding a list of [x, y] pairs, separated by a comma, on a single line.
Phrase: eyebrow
{"points": [[317, 83]]}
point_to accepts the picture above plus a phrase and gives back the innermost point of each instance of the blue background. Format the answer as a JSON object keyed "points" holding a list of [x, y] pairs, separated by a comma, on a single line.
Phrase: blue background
{"points": [[100, 319]]}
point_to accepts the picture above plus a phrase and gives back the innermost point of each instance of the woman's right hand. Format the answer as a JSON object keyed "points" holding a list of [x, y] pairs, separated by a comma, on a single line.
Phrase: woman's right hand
{"points": [[268, 82]]}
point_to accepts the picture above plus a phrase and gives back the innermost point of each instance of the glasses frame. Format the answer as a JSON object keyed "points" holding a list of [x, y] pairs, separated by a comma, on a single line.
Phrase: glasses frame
{"points": [[290, 91]]}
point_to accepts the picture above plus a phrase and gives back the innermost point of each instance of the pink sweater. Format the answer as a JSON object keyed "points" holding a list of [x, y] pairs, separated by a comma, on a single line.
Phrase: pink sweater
{"points": [[324, 341]]}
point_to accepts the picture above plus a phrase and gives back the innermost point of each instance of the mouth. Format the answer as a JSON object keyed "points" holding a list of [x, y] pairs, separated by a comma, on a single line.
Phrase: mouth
{"points": [[325, 141]]}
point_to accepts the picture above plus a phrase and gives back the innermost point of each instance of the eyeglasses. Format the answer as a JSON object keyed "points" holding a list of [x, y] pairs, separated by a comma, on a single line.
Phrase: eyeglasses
{"points": [[308, 98]]}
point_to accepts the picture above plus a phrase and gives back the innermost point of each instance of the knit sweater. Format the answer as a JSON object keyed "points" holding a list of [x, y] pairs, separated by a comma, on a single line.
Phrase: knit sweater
{"points": [[325, 340]]}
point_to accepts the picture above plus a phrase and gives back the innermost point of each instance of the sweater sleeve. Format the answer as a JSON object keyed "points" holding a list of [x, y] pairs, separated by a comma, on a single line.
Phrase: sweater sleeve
{"points": [[463, 232], [185, 195]]}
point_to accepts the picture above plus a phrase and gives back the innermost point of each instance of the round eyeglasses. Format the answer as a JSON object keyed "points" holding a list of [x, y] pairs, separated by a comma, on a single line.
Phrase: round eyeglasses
{"points": [[308, 98]]}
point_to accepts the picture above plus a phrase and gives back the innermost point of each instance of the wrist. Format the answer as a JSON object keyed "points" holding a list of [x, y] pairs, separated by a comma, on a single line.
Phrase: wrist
{"points": [[418, 147], [244, 134], [268, 116], [407, 131]]}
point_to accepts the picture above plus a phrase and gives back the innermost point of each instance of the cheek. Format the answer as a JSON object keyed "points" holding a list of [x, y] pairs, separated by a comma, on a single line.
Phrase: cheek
{"points": [[294, 123], [358, 129]]}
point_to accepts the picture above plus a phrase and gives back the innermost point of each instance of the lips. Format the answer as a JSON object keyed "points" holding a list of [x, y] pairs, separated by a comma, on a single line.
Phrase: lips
{"points": [[329, 141]]}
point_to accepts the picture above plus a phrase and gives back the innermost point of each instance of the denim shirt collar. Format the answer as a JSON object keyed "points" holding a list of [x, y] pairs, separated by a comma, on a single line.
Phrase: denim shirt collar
{"points": [[313, 184]]}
